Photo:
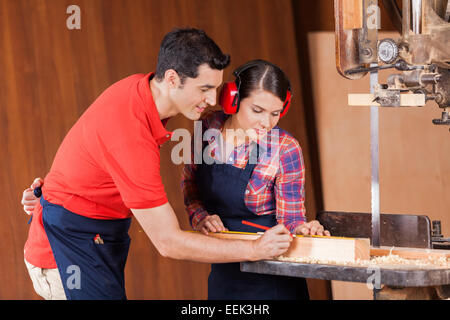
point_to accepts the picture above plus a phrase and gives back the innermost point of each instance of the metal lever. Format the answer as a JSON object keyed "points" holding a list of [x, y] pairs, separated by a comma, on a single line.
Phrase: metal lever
{"points": [[370, 69], [436, 230], [400, 65], [445, 120]]}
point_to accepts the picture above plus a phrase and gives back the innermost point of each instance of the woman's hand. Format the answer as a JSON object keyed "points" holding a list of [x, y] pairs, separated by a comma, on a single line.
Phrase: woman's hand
{"points": [[211, 223], [312, 228], [29, 201]]}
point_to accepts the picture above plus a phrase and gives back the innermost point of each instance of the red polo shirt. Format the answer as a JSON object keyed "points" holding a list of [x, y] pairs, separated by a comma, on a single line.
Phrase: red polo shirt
{"points": [[108, 162]]}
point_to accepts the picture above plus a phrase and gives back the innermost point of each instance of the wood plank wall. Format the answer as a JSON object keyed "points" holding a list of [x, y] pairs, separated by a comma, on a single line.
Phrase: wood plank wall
{"points": [[50, 75]]}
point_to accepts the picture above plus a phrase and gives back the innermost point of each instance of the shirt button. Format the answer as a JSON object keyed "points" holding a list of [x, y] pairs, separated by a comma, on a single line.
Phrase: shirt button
{"points": [[167, 135]]}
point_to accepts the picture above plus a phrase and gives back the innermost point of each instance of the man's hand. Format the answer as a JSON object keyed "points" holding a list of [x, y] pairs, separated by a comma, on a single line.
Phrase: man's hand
{"points": [[273, 243], [312, 228], [211, 223], [29, 201]]}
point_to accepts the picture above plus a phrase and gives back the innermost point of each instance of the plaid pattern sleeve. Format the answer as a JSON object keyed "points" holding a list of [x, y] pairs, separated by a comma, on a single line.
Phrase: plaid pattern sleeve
{"points": [[290, 185], [192, 202]]}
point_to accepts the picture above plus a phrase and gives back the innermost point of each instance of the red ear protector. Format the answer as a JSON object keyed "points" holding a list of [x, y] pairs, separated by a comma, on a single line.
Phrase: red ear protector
{"points": [[229, 95]]}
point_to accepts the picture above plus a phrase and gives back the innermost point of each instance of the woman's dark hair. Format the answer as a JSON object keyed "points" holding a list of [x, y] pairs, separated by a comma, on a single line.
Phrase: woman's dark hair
{"points": [[260, 74], [184, 50]]}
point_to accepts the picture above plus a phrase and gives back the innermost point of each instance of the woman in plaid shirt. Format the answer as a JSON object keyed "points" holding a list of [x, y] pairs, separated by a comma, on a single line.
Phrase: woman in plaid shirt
{"points": [[251, 170]]}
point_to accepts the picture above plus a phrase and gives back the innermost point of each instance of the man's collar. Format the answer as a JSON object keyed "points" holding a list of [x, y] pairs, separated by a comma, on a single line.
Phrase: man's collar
{"points": [[157, 125]]}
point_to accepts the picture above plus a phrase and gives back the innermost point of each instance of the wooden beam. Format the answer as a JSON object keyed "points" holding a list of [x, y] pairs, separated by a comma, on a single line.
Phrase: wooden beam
{"points": [[410, 253], [352, 14], [329, 248], [340, 249], [316, 247], [406, 100]]}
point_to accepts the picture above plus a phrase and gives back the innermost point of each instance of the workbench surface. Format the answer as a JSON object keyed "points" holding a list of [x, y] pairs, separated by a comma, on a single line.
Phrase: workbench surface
{"points": [[401, 276]]}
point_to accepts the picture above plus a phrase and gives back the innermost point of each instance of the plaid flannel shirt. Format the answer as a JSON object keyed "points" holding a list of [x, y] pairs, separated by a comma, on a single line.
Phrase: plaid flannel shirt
{"points": [[277, 184]]}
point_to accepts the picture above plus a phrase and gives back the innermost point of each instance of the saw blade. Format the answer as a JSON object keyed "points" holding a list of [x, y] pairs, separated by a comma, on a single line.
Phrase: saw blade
{"points": [[374, 155]]}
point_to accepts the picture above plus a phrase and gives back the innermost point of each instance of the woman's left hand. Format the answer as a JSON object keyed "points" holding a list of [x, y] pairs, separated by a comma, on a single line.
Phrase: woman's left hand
{"points": [[211, 223], [312, 228]]}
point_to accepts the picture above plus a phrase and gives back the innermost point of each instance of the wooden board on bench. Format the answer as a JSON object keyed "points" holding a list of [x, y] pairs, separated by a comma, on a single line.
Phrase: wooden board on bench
{"points": [[337, 249]]}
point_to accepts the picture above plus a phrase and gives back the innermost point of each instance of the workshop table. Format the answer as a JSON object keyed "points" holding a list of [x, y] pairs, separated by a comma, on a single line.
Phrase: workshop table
{"points": [[430, 282]]}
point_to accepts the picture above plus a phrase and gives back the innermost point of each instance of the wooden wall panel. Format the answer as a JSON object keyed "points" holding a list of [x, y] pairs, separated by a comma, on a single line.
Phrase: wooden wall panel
{"points": [[50, 75]]}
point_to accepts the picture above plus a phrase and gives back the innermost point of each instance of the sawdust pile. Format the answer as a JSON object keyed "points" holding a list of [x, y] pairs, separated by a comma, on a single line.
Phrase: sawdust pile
{"points": [[390, 260]]}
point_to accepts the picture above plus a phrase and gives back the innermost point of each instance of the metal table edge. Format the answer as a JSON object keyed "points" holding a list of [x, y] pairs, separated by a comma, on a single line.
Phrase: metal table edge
{"points": [[391, 277]]}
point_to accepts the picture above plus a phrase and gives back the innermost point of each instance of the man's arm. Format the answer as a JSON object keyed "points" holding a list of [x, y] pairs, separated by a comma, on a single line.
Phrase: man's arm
{"points": [[161, 226]]}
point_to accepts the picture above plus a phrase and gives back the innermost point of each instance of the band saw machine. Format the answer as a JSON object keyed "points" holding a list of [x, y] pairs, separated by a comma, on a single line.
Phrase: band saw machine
{"points": [[408, 255]]}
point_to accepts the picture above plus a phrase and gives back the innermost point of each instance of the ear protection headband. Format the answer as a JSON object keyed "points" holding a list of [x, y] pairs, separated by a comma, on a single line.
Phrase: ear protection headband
{"points": [[229, 96]]}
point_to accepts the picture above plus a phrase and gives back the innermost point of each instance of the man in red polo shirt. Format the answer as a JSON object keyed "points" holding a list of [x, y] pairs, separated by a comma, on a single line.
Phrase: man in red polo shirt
{"points": [[107, 169]]}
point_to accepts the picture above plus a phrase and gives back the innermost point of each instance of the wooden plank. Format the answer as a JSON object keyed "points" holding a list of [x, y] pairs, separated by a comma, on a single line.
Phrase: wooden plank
{"points": [[337, 249], [414, 293], [329, 248], [406, 100], [410, 253], [346, 45], [352, 14], [340, 249]]}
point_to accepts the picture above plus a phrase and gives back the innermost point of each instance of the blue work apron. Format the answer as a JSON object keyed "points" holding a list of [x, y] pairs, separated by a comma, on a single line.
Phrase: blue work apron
{"points": [[222, 189], [90, 269]]}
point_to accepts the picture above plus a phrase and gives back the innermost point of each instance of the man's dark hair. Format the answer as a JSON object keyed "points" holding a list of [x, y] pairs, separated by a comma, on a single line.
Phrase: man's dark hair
{"points": [[184, 50]]}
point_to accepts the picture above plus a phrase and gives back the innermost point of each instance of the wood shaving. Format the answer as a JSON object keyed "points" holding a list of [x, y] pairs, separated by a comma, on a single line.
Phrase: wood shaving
{"points": [[390, 261]]}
